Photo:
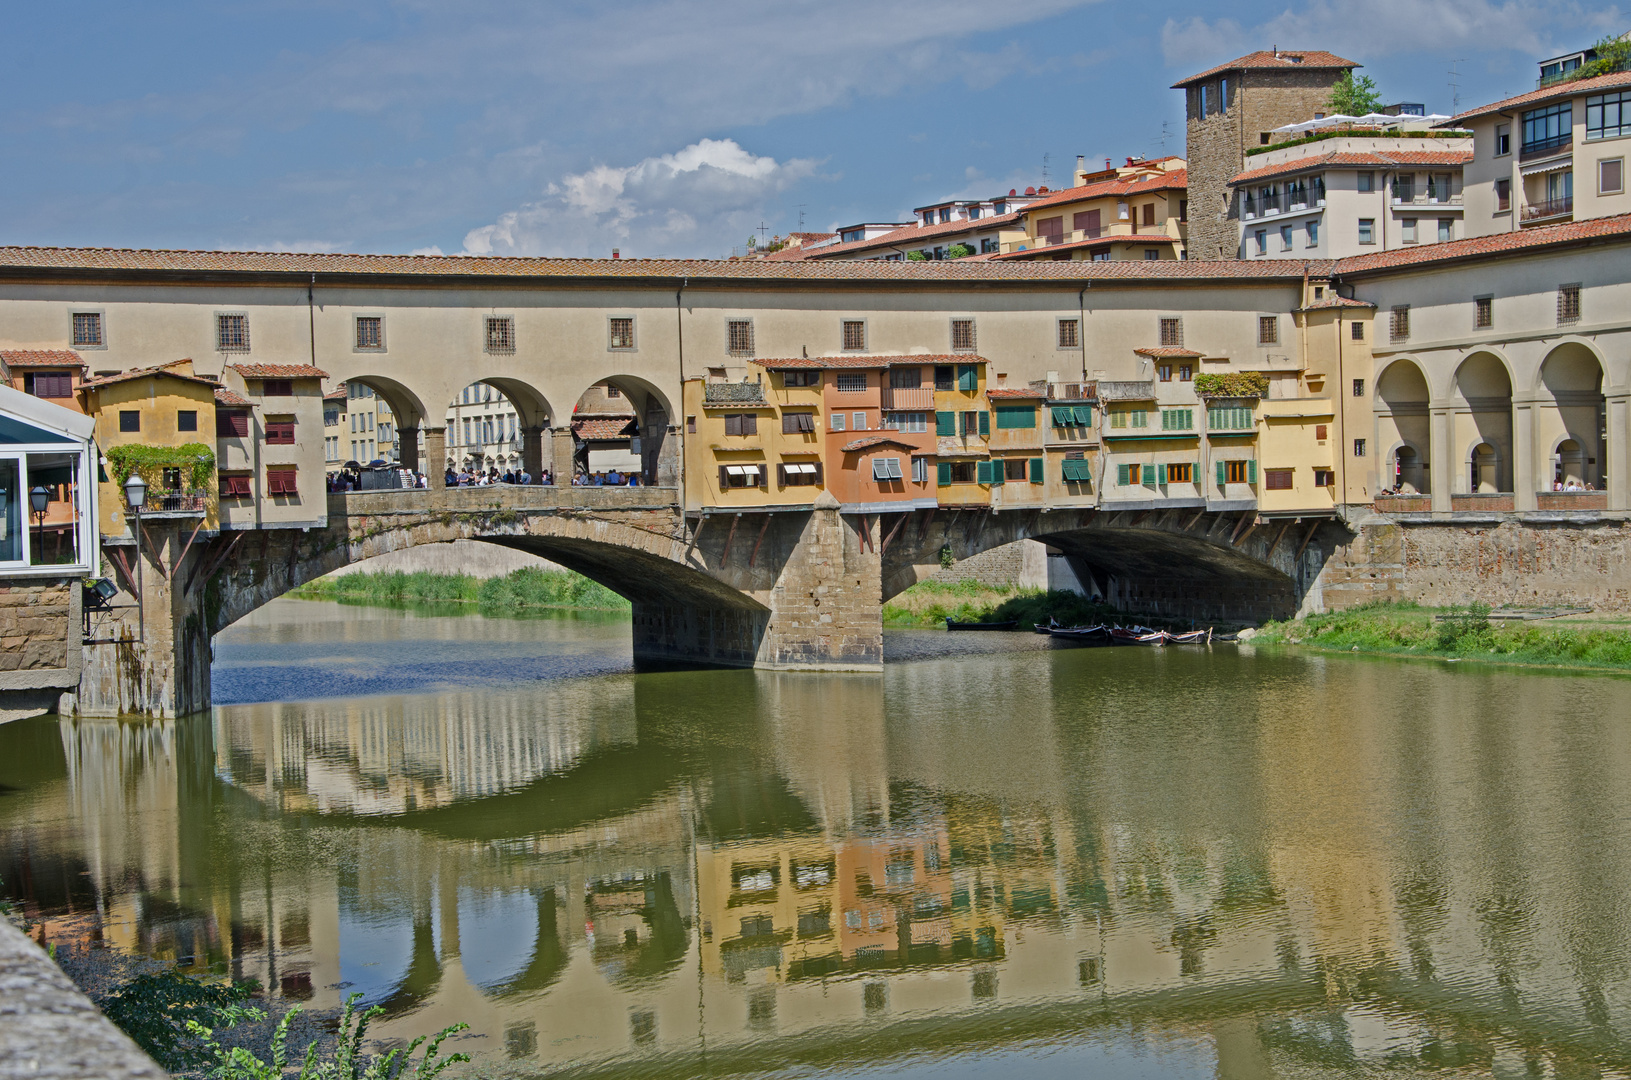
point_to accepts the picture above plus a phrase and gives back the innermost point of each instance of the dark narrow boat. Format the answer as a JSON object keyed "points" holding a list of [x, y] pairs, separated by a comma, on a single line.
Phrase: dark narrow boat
{"points": [[1136, 635], [1090, 635], [951, 625]]}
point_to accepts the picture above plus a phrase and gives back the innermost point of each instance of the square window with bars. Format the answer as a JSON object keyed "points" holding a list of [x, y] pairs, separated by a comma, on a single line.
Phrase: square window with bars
{"points": [[1399, 322], [739, 337], [370, 332], [962, 335], [1268, 330], [621, 331], [1358, 331], [1069, 334], [851, 380], [1568, 304], [1172, 332], [1483, 312], [88, 330], [232, 333], [500, 334], [854, 335]]}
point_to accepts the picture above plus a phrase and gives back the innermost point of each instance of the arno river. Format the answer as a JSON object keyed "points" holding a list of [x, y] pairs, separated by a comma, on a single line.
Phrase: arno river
{"points": [[1030, 861]]}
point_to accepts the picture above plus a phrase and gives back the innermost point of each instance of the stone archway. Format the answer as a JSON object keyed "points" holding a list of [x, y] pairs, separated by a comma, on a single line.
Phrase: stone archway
{"points": [[1570, 417], [625, 424], [1482, 422], [1403, 422], [496, 426]]}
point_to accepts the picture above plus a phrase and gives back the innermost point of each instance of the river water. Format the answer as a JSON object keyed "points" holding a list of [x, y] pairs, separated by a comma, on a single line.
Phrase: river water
{"points": [[996, 858]]}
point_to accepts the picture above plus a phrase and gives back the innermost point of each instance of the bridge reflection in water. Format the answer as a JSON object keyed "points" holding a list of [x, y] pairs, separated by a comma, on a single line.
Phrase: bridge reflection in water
{"points": [[1202, 863]]}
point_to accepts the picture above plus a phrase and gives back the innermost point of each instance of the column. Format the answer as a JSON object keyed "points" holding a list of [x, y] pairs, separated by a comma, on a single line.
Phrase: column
{"points": [[409, 437], [668, 460], [1617, 454], [562, 450], [532, 452], [435, 460], [1524, 484], [1441, 469]]}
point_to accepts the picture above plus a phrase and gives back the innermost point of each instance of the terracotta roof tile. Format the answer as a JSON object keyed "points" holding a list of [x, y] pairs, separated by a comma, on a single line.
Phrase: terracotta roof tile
{"points": [[864, 363], [224, 396], [279, 371], [615, 428], [1169, 352], [336, 395], [25, 262], [1357, 159], [1028, 394], [1177, 179], [36, 358], [1546, 93], [1276, 59], [1500, 243], [906, 238], [874, 440], [156, 369], [1045, 253]]}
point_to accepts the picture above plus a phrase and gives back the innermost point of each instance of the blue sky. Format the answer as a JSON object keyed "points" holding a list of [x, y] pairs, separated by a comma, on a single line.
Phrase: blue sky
{"points": [[661, 127]]}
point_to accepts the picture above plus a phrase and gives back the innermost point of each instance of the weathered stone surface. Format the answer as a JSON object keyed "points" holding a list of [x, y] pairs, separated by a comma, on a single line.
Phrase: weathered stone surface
{"points": [[51, 1031], [35, 625]]}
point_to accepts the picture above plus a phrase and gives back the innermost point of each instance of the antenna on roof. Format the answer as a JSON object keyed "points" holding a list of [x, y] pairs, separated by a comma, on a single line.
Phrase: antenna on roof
{"points": [[1455, 87], [1045, 159], [801, 215]]}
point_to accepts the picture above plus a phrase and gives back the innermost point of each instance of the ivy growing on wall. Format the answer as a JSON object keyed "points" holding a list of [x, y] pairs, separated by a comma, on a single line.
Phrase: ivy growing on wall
{"points": [[149, 462], [1242, 384]]}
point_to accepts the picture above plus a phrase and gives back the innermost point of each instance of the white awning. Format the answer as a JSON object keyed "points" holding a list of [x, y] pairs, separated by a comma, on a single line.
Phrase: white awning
{"points": [[796, 468], [1549, 166]]}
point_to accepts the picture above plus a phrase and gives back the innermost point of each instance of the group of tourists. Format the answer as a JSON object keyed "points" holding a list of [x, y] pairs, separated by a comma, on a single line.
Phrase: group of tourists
{"points": [[611, 478], [479, 478], [351, 480]]}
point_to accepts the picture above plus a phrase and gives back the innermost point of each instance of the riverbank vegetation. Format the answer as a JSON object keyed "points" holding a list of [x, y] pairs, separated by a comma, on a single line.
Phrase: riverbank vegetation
{"points": [[930, 603], [527, 587], [1466, 633]]}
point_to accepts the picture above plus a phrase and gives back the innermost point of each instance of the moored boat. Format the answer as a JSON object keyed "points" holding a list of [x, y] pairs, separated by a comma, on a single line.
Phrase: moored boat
{"points": [[953, 625]]}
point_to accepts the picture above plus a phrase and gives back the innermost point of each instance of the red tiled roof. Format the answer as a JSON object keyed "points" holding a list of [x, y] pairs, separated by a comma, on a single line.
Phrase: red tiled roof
{"points": [[874, 440], [23, 262], [1334, 301], [157, 369], [865, 363], [1177, 179], [806, 237], [1277, 60], [615, 428], [1169, 352], [1546, 93], [41, 358], [906, 238], [1015, 392], [279, 371], [1498, 244], [336, 395], [224, 396], [1045, 253], [1358, 159]]}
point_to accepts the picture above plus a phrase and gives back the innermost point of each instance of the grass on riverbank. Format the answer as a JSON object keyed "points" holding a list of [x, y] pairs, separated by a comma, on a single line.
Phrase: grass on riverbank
{"points": [[930, 603], [525, 588], [1469, 634]]}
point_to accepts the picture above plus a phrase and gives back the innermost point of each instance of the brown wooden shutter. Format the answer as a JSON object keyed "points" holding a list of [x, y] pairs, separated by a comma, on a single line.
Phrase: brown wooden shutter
{"points": [[818, 476], [781, 475], [750, 423], [724, 478]]}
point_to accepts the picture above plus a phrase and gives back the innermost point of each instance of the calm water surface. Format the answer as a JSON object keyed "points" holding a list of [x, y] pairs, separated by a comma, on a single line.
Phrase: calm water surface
{"points": [[996, 858]]}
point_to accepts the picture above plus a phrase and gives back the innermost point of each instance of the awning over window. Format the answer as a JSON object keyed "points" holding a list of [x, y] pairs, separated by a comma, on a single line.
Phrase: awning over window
{"points": [[1548, 166]]}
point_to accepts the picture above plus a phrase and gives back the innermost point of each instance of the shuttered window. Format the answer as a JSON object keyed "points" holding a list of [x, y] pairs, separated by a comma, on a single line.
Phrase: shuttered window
{"points": [[234, 487], [1036, 471], [1123, 474], [1177, 419], [281, 481], [280, 432], [1016, 416], [794, 423], [945, 424], [232, 424], [968, 377], [49, 384], [982, 472], [1076, 470], [1229, 418], [745, 424], [1277, 479], [943, 473]]}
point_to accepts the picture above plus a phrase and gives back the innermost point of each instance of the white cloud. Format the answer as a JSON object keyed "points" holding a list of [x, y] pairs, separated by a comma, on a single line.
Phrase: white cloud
{"points": [[698, 201], [1535, 27]]}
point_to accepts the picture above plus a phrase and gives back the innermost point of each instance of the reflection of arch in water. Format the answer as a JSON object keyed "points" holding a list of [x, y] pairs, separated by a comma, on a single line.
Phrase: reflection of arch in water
{"points": [[549, 955], [498, 930], [660, 950], [1483, 422], [389, 960]]}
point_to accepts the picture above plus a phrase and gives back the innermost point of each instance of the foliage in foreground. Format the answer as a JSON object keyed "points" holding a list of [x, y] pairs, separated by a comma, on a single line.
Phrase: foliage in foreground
{"points": [[930, 603], [348, 1062], [1466, 632], [527, 587], [157, 1010]]}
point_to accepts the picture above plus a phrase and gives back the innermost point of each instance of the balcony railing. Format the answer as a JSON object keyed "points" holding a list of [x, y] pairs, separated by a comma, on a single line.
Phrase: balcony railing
{"points": [[1549, 208], [1544, 147], [909, 398], [176, 502]]}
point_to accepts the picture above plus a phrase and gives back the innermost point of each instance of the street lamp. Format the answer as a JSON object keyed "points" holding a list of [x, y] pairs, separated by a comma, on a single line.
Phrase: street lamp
{"points": [[136, 496], [38, 499]]}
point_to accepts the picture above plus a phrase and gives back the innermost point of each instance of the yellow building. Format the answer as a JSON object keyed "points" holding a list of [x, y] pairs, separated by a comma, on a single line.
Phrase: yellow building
{"points": [[1071, 439], [1018, 472], [752, 445], [962, 427], [1295, 447], [170, 411], [1139, 211]]}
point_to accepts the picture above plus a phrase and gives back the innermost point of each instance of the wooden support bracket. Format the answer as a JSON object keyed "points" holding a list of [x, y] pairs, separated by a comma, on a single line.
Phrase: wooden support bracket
{"points": [[171, 576], [893, 531], [1246, 517], [1312, 529], [1198, 515], [755, 556], [1278, 537], [923, 533], [695, 535], [116, 557], [725, 555]]}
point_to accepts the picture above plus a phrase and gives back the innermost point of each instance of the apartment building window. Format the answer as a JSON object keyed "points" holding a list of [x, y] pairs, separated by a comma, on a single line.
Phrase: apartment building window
{"points": [[1608, 115], [1503, 140], [1568, 304], [1483, 312], [905, 378], [886, 468], [500, 334], [280, 432], [1186, 372], [741, 424], [1446, 230], [1277, 479], [739, 337], [232, 333], [1181, 473], [854, 335], [1149, 214], [1069, 330], [857, 421], [186, 419], [800, 473], [1152, 254], [1367, 230], [1268, 330], [801, 378], [1399, 324], [1548, 128], [370, 332], [1262, 238], [1177, 419], [236, 487], [1359, 448], [797, 423], [231, 424], [945, 377], [1164, 372], [1407, 230], [277, 388], [1229, 418], [962, 335], [1611, 176], [851, 381], [911, 422], [620, 332], [989, 245], [1359, 388], [1503, 195], [690, 425], [920, 470], [1172, 332], [1365, 181], [48, 384], [835, 421], [88, 330], [281, 481], [1285, 238], [1313, 231]]}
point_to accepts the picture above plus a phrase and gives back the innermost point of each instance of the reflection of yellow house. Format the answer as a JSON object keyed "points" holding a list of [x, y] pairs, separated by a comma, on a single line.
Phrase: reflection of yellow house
{"points": [[163, 406]]}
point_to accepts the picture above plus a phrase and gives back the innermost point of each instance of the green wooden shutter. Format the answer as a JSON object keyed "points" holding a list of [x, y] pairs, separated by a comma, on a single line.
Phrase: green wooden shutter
{"points": [[945, 424], [1121, 475], [985, 424], [1195, 472], [1223, 474], [1084, 415], [945, 467], [982, 472], [1160, 474], [968, 377], [999, 472], [1036, 470], [1251, 471]]}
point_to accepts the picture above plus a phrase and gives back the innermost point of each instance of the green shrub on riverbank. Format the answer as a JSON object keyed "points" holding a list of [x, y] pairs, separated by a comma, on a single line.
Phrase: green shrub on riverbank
{"points": [[528, 587], [930, 603], [1468, 633]]}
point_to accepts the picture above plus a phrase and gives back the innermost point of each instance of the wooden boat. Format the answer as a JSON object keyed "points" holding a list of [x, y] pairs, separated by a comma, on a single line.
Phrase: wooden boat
{"points": [[1193, 637], [951, 625], [1136, 635], [1090, 635]]}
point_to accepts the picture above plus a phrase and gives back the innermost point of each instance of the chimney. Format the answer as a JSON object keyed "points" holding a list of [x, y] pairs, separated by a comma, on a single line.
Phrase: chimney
{"points": [[616, 254]]}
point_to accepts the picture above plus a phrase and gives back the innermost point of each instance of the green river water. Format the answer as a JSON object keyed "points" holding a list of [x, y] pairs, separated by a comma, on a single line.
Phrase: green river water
{"points": [[996, 858]]}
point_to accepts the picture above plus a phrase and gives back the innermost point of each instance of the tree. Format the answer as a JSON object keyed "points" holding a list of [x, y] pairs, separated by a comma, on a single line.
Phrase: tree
{"points": [[959, 251], [916, 256], [1613, 54], [1355, 97]]}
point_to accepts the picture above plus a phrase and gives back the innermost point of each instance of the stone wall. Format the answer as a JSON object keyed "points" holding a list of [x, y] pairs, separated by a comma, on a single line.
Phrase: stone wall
{"points": [[39, 644], [1023, 563], [472, 558]]}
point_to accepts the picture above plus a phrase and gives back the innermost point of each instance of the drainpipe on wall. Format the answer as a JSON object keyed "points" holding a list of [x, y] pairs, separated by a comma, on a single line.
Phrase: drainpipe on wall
{"points": [[679, 425]]}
